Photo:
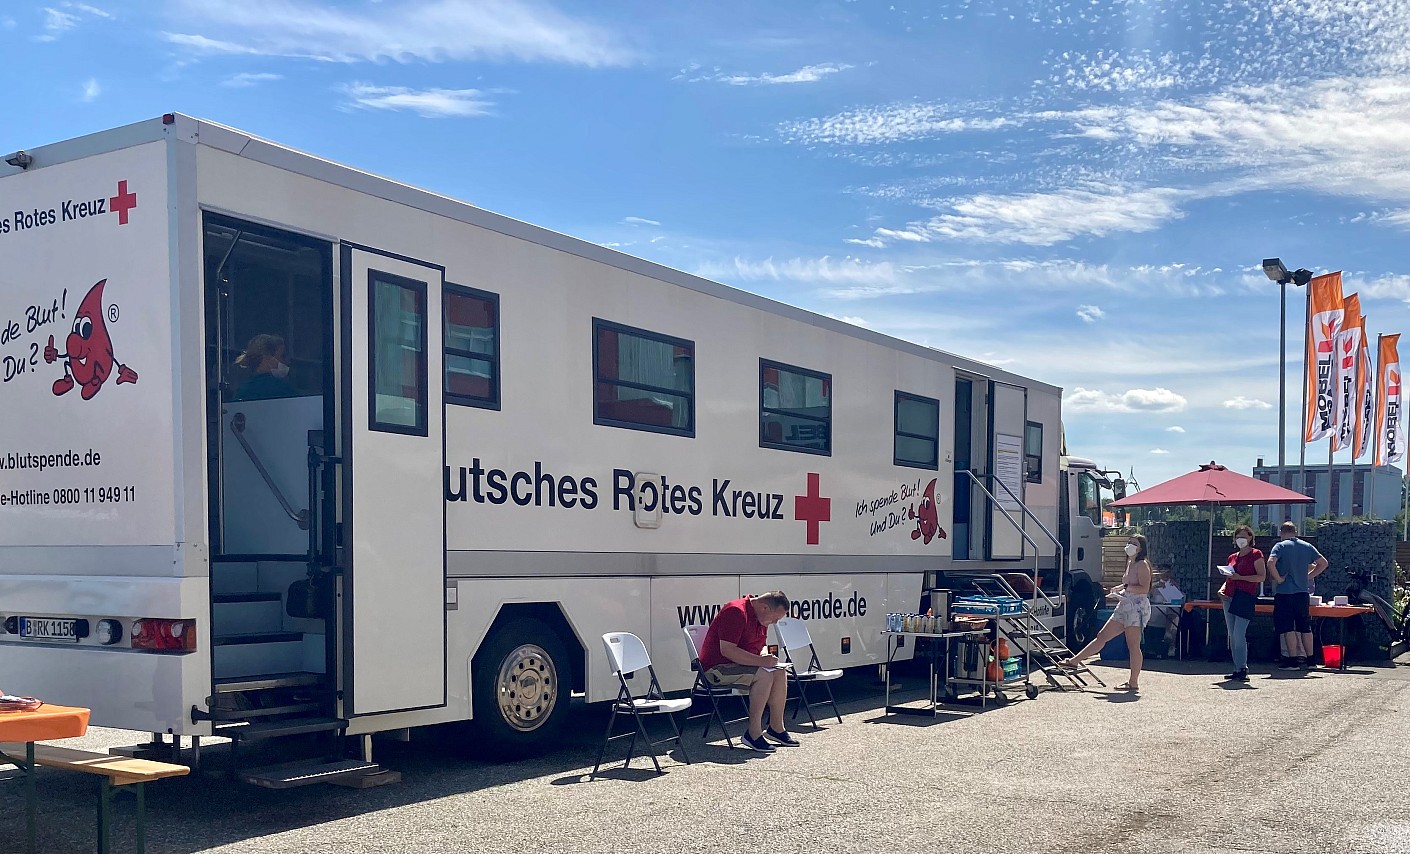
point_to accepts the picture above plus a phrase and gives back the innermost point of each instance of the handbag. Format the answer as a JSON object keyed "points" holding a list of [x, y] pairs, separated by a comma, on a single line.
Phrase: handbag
{"points": [[1243, 604]]}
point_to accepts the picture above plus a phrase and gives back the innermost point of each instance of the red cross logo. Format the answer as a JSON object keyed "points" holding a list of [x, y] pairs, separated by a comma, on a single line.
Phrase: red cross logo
{"points": [[812, 508], [122, 202]]}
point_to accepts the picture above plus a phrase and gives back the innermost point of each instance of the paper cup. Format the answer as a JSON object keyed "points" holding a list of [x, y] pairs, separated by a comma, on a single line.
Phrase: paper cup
{"points": [[1314, 600], [1340, 600]]}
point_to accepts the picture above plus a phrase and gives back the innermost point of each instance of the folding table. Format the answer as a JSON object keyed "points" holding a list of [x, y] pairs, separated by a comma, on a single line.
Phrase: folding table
{"points": [[41, 724]]}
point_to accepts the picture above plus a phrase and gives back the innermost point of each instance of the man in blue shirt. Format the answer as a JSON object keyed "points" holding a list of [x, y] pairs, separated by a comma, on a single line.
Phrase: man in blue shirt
{"points": [[1292, 564]]}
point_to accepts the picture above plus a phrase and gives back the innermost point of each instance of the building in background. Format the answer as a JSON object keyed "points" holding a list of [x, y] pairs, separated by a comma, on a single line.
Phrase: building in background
{"points": [[1337, 492]]}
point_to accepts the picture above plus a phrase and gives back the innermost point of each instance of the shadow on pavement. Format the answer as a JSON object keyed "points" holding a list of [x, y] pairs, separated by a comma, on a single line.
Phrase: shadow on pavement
{"points": [[207, 810]]}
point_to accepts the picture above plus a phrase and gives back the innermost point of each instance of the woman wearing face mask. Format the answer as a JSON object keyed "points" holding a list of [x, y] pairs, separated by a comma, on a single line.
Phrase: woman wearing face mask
{"points": [[1132, 613], [264, 358], [1239, 596]]}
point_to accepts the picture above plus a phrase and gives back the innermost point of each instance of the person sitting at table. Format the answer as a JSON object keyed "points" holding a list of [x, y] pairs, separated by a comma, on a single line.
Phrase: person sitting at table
{"points": [[1239, 598], [1292, 564], [1131, 616]]}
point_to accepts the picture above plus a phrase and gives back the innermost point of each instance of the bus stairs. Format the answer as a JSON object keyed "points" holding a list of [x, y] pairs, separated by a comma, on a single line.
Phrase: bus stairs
{"points": [[1046, 651], [271, 692]]}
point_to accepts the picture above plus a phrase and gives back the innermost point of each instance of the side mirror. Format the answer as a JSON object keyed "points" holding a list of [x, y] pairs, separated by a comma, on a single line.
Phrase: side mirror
{"points": [[1118, 488]]}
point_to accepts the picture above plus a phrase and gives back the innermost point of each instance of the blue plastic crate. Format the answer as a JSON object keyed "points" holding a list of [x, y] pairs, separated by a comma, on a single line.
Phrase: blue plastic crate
{"points": [[991, 604]]}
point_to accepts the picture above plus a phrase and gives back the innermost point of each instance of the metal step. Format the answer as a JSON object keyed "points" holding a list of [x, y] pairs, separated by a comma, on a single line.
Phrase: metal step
{"points": [[290, 775], [278, 729], [233, 684], [218, 714], [258, 637]]}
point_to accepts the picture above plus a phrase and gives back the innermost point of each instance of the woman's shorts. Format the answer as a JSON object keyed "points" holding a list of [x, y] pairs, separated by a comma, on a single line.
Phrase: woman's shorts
{"points": [[1133, 611]]}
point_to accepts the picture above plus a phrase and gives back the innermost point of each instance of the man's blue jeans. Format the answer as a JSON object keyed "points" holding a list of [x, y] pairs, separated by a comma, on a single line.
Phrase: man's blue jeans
{"points": [[1238, 637]]}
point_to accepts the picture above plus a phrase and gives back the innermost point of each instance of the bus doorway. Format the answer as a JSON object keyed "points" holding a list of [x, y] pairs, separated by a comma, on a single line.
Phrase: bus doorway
{"points": [[268, 315]]}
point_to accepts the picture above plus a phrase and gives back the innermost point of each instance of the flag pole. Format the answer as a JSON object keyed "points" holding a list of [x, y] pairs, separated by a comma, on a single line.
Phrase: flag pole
{"points": [[1376, 429], [1302, 439]]}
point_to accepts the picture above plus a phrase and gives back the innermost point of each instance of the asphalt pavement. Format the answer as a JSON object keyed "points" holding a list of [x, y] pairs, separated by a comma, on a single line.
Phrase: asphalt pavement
{"points": [[1312, 762]]}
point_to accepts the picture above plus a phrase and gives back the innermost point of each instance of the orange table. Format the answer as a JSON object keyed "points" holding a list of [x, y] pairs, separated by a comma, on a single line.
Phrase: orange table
{"points": [[42, 724], [1333, 612]]}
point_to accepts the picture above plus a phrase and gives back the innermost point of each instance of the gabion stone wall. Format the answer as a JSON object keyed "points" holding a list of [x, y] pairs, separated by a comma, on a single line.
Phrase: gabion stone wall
{"points": [[1360, 547], [1184, 548]]}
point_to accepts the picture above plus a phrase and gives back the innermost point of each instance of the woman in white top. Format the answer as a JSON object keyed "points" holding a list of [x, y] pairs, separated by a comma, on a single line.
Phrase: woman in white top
{"points": [[1132, 615]]}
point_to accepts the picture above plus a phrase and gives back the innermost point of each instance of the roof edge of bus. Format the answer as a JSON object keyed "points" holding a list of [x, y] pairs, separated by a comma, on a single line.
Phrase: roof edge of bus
{"points": [[182, 127]]}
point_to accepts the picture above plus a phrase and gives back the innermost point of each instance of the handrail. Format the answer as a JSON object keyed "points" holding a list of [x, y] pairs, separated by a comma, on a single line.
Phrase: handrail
{"points": [[1037, 588], [237, 426]]}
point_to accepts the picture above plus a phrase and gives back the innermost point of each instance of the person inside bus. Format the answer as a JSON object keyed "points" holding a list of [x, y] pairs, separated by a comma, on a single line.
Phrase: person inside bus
{"points": [[264, 358], [733, 653], [1132, 614]]}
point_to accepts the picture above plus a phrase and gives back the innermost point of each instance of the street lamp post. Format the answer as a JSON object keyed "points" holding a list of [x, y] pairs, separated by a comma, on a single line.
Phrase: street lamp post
{"points": [[1274, 269]]}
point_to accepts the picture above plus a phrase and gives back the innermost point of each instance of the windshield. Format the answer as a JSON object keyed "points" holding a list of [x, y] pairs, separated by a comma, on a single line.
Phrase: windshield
{"points": [[1089, 501]]}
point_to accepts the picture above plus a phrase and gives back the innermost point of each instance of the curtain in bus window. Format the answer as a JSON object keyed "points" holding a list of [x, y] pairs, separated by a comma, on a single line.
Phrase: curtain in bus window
{"points": [[470, 346], [797, 408], [637, 377], [397, 355]]}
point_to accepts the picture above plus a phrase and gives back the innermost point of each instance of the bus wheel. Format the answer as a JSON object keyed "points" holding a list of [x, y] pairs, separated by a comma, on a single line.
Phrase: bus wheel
{"points": [[522, 682], [1082, 619]]}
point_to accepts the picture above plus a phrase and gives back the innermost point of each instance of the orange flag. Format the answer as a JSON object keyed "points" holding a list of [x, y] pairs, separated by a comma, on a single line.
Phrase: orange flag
{"points": [[1366, 398], [1324, 319], [1390, 421], [1346, 347]]}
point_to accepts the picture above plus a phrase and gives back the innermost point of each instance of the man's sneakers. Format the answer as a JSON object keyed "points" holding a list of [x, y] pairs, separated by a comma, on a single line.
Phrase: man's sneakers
{"points": [[1289, 664], [1238, 675], [783, 739], [760, 744]]}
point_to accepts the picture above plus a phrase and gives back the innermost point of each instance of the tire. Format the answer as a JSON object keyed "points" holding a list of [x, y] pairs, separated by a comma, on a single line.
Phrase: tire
{"points": [[1081, 616], [1030, 691], [521, 690]]}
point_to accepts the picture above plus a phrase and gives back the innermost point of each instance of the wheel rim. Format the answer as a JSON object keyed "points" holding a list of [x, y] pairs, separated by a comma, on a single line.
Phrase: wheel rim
{"points": [[527, 687]]}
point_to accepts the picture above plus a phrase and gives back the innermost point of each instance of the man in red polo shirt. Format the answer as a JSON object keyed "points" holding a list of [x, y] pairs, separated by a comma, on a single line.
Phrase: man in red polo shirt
{"points": [[733, 654]]}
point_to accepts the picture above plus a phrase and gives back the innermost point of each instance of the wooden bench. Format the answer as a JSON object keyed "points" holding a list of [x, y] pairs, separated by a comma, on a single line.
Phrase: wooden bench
{"points": [[115, 771]]}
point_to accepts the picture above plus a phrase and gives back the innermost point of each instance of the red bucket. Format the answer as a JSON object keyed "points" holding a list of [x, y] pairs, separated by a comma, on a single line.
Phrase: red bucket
{"points": [[1331, 655]]}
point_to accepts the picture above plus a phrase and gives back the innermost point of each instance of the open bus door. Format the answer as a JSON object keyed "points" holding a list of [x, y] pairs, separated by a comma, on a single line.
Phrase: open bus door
{"points": [[1008, 418], [392, 541]]}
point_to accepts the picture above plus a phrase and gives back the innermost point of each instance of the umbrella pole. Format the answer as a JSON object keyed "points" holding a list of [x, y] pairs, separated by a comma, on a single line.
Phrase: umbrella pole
{"points": [[1208, 581]]}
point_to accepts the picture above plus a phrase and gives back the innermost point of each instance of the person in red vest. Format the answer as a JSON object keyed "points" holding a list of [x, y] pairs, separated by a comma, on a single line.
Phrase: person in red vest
{"points": [[734, 653]]}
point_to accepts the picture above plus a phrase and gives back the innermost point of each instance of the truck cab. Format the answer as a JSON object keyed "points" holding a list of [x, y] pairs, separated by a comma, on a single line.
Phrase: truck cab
{"points": [[1080, 530]]}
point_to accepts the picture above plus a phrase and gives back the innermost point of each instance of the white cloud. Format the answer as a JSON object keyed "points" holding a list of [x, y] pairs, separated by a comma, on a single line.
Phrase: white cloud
{"points": [[1175, 428], [413, 31], [56, 22], [1134, 400], [8, 23], [825, 271], [1159, 451], [806, 74], [245, 80], [91, 90], [430, 103], [1114, 71], [873, 125], [637, 220], [1242, 402], [1042, 219], [855, 321], [1090, 313]]}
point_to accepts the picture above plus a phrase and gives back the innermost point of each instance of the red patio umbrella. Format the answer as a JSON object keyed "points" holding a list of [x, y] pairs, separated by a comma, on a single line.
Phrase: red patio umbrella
{"points": [[1213, 484]]}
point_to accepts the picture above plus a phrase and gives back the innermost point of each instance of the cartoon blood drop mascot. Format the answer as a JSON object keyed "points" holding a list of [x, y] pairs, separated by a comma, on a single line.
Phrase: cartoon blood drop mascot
{"points": [[89, 360], [927, 517]]}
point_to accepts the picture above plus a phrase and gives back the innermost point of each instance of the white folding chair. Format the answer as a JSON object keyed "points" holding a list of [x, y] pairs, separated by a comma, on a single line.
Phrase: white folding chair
{"points": [[703, 690], [627, 655], [794, 638]]}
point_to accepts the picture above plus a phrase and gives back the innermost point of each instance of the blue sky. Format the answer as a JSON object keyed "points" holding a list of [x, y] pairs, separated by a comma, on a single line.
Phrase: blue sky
{"points": [[1077, 191]]}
